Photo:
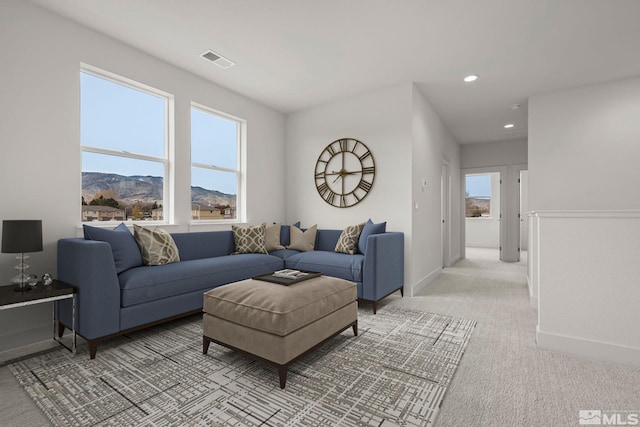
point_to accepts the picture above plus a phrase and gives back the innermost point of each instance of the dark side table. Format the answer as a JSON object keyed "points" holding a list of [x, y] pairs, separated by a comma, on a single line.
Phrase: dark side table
{"points": [[40, 294]]}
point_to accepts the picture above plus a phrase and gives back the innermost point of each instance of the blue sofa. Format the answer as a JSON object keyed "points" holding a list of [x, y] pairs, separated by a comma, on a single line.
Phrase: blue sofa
{"points": [[112, 302]]}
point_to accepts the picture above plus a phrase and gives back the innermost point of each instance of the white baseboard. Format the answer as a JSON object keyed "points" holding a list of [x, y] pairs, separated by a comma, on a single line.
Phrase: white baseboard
{"points": [[589, 349], [454, 259], [26, 350], [533, 302], [422, 284]]}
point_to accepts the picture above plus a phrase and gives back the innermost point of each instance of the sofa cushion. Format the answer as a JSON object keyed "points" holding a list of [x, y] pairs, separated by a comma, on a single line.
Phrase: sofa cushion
{"points": [[123, 245], [344, 266], [284, 253], [204, 244], [369, 229], [272, 238], [285, 235], [348, 240], [156, 245], [249, 240], [150, 283], [278, 309], [303, 240]]}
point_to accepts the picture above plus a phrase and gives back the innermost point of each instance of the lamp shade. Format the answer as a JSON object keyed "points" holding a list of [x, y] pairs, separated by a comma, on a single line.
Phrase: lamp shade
{"points": [[20, 236]]}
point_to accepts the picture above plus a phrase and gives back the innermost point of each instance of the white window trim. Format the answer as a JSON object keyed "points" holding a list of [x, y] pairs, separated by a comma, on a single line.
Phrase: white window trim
{"points": [[169, 143], [240, 164]]}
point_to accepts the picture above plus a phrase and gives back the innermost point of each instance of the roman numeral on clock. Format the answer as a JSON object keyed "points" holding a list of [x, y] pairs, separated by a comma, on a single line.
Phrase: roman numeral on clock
{"points": [[364, 185]]}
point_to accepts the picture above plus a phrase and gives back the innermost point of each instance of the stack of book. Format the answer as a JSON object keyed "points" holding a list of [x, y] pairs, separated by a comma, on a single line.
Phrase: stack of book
{"points": [[290, 274]]}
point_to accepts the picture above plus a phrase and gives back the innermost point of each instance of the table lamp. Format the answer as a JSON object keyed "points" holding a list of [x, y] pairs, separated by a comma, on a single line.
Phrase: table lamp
{"points": [[20, 236]]}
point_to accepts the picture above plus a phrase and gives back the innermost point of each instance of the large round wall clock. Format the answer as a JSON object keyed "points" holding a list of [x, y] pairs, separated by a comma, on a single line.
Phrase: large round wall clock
{"points": [[344, 172]]}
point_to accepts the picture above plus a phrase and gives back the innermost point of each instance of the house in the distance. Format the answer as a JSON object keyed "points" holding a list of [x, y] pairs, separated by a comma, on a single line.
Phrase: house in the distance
{"points": [[102, 213]]}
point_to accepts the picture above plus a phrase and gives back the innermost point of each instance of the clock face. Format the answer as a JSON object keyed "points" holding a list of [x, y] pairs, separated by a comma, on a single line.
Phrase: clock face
{"points": [[344, 172]]}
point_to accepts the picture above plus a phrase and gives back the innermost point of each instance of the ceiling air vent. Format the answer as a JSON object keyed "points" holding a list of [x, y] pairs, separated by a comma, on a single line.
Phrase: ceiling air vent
{"points": [[217, 59]]}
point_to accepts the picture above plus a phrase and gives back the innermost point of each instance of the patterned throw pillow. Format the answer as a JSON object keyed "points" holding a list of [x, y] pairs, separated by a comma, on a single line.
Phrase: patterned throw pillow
{"points": [[348, 241], [303, 241], [156, 246], [272, 238], [249, 240]]}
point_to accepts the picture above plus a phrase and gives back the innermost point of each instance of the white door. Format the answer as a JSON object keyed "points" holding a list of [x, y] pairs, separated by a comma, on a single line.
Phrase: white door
{"points": [[524, 208], [445, 196]]}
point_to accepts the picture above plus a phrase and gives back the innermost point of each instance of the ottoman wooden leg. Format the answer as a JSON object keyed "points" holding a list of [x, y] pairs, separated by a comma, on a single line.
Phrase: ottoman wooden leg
{"points": [[282, 371], [205, 344], [355, 328]]}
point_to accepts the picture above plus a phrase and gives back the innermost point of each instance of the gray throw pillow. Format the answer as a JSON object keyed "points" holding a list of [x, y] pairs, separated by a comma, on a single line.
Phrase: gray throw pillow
{"points": [[156, 246], [272, 238], [348, 240], [303, 241]]}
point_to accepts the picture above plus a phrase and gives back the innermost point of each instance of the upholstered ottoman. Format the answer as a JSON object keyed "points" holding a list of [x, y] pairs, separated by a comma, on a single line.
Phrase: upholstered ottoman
{"points": [[277, 323]]}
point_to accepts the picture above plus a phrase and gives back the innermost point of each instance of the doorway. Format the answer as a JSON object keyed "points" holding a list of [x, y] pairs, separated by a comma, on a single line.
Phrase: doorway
{"points": [[523, 215], [445, 203], [483, 211]]}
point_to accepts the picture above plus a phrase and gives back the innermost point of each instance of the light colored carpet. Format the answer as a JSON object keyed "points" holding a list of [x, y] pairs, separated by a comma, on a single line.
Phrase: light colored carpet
{"points": [[502, 380]]}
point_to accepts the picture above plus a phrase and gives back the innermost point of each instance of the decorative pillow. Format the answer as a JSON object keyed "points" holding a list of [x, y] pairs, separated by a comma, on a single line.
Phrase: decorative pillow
{"points": [[303, 241], [348, 241], [369, 229], [157, 246], [123, 246], [250, 240], [285, 235], [272, 238]]}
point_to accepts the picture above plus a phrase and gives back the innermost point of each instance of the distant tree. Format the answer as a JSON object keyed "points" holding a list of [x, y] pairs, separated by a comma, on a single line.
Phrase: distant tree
{"points": [[101, 201], [154, 206], [84, 203], [137, 211]]}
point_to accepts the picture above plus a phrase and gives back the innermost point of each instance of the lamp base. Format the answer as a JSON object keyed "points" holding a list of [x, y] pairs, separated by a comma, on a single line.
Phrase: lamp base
{"points": [[22, 287]]}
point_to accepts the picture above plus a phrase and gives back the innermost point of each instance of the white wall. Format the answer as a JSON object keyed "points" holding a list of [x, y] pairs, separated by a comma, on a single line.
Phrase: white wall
{"points": [[583, 155], [510, 157], [381, 120], [40, 154], [408, 142], [500, 153], [432, 144]]}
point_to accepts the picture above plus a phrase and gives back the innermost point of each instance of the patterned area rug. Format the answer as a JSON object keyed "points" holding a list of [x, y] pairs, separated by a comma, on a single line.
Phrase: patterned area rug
{"points": [[395, 372]]}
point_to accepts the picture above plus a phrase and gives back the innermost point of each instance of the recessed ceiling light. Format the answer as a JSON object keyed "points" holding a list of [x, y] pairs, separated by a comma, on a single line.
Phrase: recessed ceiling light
{"points": [[509, 126], [471, 78]]}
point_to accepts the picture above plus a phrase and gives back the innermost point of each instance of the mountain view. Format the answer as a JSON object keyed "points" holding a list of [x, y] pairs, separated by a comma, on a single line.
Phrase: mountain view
{"points": [[129, 191]]}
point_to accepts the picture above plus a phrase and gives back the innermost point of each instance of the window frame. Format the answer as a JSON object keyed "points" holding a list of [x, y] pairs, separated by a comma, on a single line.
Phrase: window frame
{"points": [[169, 143], [241, 130], [491, 213]]}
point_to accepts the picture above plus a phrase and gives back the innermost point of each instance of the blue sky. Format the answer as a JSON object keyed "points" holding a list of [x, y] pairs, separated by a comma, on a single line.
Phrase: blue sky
{"points": [[478, 185], [119, 118]]}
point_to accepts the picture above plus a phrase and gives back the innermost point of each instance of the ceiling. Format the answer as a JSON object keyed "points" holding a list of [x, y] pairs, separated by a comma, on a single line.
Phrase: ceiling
{"points": [[296, 54]]}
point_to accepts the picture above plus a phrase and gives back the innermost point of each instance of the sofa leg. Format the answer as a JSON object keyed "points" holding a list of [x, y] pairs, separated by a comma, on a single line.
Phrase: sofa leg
{"points": [[93, 348], [205, 344], [375, 306], [61, 328], [402, 291], [355, 328]]}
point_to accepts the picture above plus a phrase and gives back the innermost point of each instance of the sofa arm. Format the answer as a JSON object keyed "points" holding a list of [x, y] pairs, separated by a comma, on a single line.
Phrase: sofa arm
{"points": [[383, 265], [88, 265]]}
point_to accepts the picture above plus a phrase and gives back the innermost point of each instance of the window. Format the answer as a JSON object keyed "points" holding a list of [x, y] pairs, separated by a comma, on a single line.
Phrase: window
{"points": [[478, 196], [215, 165], [124, 140]]}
